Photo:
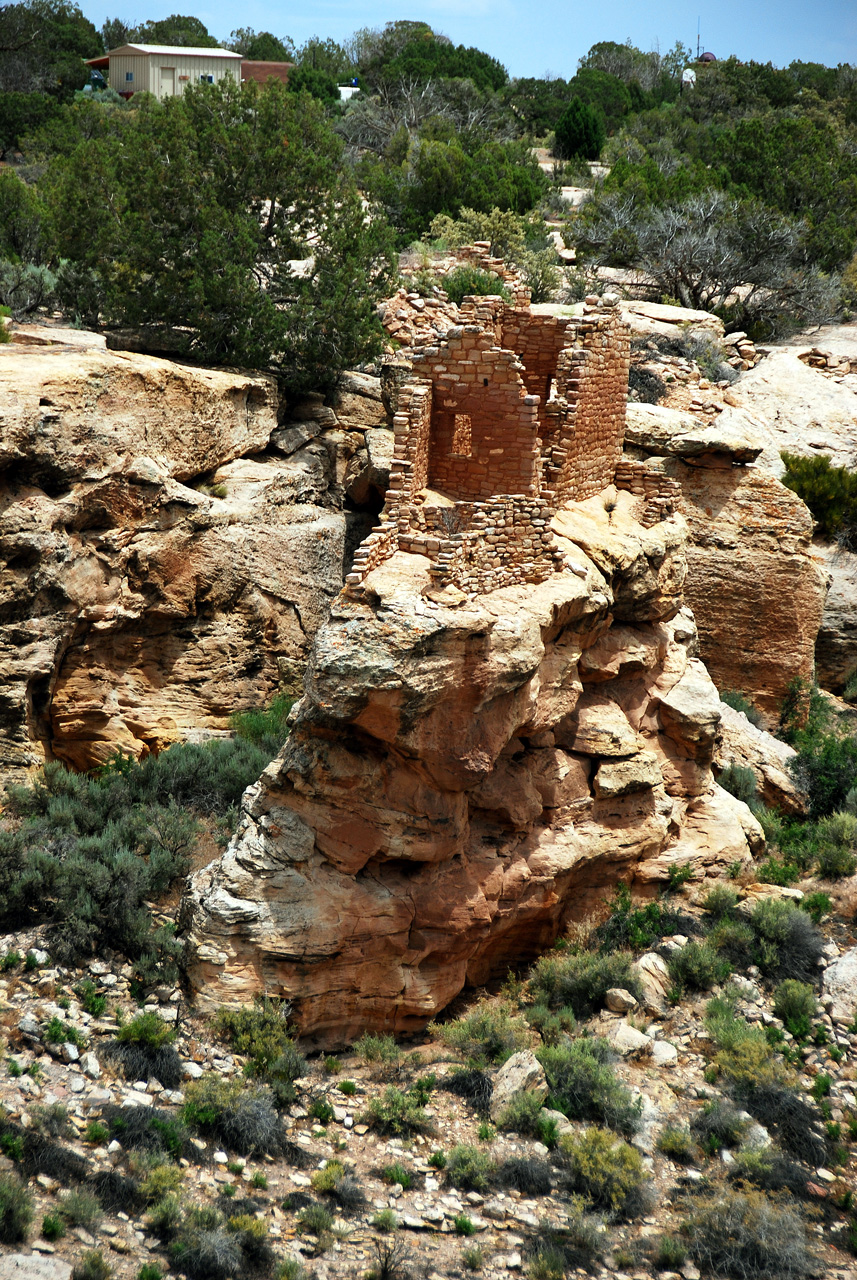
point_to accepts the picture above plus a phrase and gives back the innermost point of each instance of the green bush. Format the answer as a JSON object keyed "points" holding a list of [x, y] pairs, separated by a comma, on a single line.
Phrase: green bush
{"points": [[720, 902], [834, 863], [816, 905], [778, 871], [239, 1115], [580, 131], [769, 1170], [379, 1050], [315, 1220], [397, 1173], [463, 1225], [551, 1025], [522, 1114], [53, 1227], [81, 1208], [788, 944], [92, 1266], [580, 980], [92, 1002], [16, 1209], [795, 1004], [385, 1220], [735, 941], [671, 1253], [397, 1113], [606, 1171], [637, 928], [739, 782], [260, 1033], [829, 492], [745, 1059], [466, 281], [748, 1235], [148, 1030], [468, 1168], [491, 1033], [473, 1258], [583, 1086], [149, 1271], [144, 1048], [697, 966], [718, 1125], [676, 1143]]}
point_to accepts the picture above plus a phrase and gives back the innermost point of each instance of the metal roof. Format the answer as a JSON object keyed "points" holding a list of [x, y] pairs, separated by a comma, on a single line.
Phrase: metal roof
{"points": [[178, 51]]}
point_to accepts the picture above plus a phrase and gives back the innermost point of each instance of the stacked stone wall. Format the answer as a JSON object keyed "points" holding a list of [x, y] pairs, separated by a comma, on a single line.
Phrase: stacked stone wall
{"points": [[538, 342], [659, 494]]}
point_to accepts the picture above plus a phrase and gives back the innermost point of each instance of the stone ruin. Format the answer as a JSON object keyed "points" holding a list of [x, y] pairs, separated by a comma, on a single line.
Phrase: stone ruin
{"points": [[499, 420]]}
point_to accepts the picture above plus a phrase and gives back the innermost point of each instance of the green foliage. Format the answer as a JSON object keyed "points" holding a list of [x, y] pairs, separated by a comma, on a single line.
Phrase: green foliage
{"points": [[266, 728], [466, 280], [491, 1033], [473, 1258], [259, 1180], [397, 1173], [385, 1220], [11, 960], [678, 874], [636, 927], [57, 1031], [92, 1266], [720, 902], [550, 1025], [379, 1050], [315, 1220], [580, 980], [468, 1168], [584, 1087], [348, 1087], [522, 1114], [463, 1225], [776, 871], [437, 1160], [745, 1058], [397, 1113], [788, 944], [816, 905], [149, 1271], [12, 1146], [260, 1033], [53, 1227], [16, 1209], [747, 1235], [718, 1125], [697, 966], [148, 1030], [240, 1115], [739, 782], [319, 84], [96, 1133], [676, 1143], [92, 1002], [671, 1253], [580, 131], [606, 1171], [81, 1208], [829, 492], [795, 1004]]}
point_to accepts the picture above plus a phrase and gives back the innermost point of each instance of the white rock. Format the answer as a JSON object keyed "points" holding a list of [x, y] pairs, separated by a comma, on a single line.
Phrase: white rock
{"points": [[664, 1054], [619, 1000], [91, 1066], [523, 1073], [627, 1040]]}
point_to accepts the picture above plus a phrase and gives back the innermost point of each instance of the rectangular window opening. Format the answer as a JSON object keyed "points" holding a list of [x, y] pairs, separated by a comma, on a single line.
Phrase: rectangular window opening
{"points": [[129, 77]]}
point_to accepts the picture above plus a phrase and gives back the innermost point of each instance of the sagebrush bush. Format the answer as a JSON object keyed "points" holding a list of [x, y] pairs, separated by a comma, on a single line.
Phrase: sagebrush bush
{"points": [[92, 1266], [720, 902], [739, 782], [788, 944], [718, 1125], [474, 1086], [397, 1113], [744, 1057], [769, 1170], [795, 1004], [241, 1116], [468, 1168], [551, 1024], [522, 1114], [697, 966], [81, 1208], [816, 905], [580, 980], [605, 1170], [491, 1033], [203, 1248], [144, 1048], [468, 280], [639, 928], [527, 1174], [260, 1032], [16, 1209], [748, 1236], [379, 1050], [677, 1144], [583, 1085]]}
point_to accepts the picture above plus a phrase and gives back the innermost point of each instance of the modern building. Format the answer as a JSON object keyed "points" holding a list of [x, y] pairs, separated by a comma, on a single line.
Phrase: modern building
{"points": [[164, 70], [262, 72]]}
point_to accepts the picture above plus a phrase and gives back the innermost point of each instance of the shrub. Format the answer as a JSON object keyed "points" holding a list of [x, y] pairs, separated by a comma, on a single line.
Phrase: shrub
{"points": [[551, 1025], [606, 1171], [148, 1129], [10, 961], [385, 1220], [778, 871], [260, 1033], [834, 863], [321, 1110], [473, 1258], [148, 1030], [677, 1143], [165, 1215], [697, 966], [829, 492], [92, 1266], [381, 1051], [788, 943], [580, 980], [16, 1209], [825, 768], [463, 1225], [239, 1115], [397, 1113], [53, 1227], [96, 1133], [580, 131], [490, 1034], [583, 1086], [348, 1087], [740, 702], [748, 1235], [769, 1170], [720, 902], [739, 782], [637, 927], [206, 1252], [161, 1180], [795, 1004], [81, 1208], [530, 1176], [671, 1253], [466, 281], [745, 1058], [259, 1180], [522, 1114], [468, 1168], [149, 1271], [816, 905], [59, 1032], [397, 1173], [144, 1048], [474, 1086], [437, 1159], [718, 1125], [315, 1220]]}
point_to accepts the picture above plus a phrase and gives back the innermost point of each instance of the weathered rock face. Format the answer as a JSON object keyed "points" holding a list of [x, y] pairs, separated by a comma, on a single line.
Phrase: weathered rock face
{"points": [[740, 743], [463, 778], [836, 647], [137, 608], [755, 583]]}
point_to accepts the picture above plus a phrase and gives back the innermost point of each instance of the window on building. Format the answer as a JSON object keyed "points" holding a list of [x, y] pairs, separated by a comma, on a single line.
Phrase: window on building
{"points": [[129, 77], [206, 79], [462, 436]]}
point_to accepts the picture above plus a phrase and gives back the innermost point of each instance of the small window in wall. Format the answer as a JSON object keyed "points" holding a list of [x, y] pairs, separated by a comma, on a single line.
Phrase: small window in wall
{"points": [[206, 79], [129, 77], [461, 436]]}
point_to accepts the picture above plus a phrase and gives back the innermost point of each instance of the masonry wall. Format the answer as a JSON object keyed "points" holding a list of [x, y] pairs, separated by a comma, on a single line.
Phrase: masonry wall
{"points": [[537, 341]]}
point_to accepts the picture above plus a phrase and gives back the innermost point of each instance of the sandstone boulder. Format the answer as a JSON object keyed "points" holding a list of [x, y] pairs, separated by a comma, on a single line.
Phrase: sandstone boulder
{"points": [[522, 1073], [836, 647], [840, 984], [628, 1041], [741, 743], [656, 430], [655, 980], [618, 1000]]}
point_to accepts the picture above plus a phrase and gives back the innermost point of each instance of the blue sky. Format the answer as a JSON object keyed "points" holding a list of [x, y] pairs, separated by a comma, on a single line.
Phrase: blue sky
{"points": [[530, 39]]}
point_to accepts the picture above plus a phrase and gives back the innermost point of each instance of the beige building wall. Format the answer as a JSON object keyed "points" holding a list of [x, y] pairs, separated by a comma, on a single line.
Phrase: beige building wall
{"points": [[169, 73]]}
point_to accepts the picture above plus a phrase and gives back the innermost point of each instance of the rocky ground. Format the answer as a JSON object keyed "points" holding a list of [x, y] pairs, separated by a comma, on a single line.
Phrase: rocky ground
{"points": [[662, 1053]]}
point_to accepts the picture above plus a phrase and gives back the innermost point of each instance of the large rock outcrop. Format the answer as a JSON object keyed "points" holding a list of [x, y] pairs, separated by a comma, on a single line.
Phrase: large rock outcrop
{"points": [[464, 776], [755, 583], [164, 560]]}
